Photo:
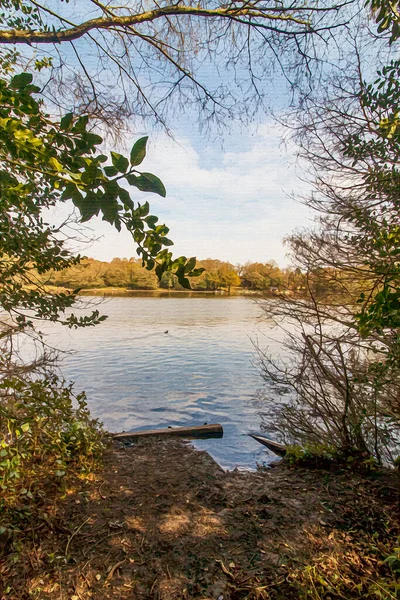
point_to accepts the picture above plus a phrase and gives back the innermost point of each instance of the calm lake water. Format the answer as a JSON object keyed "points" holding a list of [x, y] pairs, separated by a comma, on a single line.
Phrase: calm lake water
{"points": [[136, 376]]}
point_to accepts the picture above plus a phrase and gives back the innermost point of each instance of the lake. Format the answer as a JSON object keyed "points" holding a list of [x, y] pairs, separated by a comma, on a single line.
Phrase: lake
{"points": [[137, 376]]}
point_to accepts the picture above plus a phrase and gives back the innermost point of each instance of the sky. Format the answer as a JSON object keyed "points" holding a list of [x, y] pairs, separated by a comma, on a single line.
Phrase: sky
{"points": [[232, 203], [229, 196], [233, 196]]}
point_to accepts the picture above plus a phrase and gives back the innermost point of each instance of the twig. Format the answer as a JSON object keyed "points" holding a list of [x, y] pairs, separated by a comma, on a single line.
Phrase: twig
{"points": [[226, 571], [74, 534], [100, 494], [114, 568]]}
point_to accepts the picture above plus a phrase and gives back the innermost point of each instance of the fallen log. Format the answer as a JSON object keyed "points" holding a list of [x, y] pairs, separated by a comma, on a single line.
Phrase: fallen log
{"points": [[198, 432], [275, 447]]}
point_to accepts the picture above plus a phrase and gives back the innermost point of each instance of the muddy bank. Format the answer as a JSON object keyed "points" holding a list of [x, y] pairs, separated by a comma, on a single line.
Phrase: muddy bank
{"points": [[162, 520]]}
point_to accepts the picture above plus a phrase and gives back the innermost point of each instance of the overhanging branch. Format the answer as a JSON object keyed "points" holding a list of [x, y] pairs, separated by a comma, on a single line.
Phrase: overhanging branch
{"points": [[15, 36]]}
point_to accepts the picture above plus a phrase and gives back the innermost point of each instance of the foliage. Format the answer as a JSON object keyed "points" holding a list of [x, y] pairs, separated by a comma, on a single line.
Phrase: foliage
{"points": [[260, 276], [217, 275], [378, 222], [46, 437], [386, 14], [320, 456], [46, 434], [335, 576], [42, 163], [342, 364], [323, 392]]}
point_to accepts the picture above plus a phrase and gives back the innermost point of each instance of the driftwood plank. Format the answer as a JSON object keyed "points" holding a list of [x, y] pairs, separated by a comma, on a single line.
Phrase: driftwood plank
{"points": [[201, 431], [275, 447]]}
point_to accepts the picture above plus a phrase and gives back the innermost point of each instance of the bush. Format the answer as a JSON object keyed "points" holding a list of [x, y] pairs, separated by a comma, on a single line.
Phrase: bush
{"points": [[46, 439], [324, 457]]}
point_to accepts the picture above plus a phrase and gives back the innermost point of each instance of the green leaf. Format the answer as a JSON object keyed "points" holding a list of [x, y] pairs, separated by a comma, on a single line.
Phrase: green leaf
{"points": [[80, 125], [110, 171], [76, 196], [91, 173], [196, 272], [89, 207], [120, 162], [150, 264], [166, 242], [125, 198], [138, 236], [133, 180], [111, 190], [190, 265], [147, 182], [138, 151], [143, 210], [109, 209], [93, 139], [151, 221], [6, 177], [160, 270], [69, 191], [20, 81], [184, 281], [66, 121]]}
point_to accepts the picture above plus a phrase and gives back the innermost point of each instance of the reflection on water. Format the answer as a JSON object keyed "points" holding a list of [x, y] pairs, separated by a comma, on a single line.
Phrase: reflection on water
{"points": [[137, 376]]}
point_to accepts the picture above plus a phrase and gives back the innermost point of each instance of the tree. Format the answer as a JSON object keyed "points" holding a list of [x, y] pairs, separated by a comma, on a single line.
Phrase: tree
{"points": [[343, 349], [46, 433], [230, 278], [44, 162], [118, 274], [217, 274], [88, 273], [387, 17], [259, 276], [169, 281], [378, 147], [117, 61]]}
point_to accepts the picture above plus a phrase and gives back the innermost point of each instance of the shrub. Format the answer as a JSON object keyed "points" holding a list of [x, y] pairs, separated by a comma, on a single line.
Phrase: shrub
{"points": [[47, 438]]}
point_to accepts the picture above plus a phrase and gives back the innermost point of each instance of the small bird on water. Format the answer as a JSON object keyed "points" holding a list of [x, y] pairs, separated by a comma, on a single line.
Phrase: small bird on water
{"points": [[166, 331]]}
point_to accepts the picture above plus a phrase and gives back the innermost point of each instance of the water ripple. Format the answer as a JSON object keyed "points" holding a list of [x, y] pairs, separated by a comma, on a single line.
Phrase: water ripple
{"points": [[136, 376]]}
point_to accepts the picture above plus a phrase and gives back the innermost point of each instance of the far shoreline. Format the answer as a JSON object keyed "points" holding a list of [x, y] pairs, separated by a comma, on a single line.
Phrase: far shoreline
{"points": [[126, 292]]}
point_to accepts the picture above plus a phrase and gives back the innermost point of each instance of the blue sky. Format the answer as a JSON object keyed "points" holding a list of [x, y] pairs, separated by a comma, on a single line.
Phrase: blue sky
{"points": [[229, 194]]}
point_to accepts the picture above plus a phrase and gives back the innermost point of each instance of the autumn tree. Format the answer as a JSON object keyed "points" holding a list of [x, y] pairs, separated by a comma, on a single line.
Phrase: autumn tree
{"points": [[260, 276], [230, 279], [217, 275]]}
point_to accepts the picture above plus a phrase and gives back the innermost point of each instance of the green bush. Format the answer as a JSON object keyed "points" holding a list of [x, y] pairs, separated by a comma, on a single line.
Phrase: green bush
{"points": [[46, 439], [323, 456]]}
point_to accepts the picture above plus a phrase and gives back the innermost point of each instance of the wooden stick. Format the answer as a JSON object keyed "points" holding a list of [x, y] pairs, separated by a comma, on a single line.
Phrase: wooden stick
{"points": [[201, 431], [275, 447]]}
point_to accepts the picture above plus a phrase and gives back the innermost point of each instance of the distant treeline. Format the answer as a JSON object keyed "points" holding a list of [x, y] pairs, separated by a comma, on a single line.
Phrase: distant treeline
{"points": [[218, 275]]}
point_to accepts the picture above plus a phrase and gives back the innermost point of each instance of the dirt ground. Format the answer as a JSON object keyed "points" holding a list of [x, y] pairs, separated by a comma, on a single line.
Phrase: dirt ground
{"points": [[163, 521]]}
